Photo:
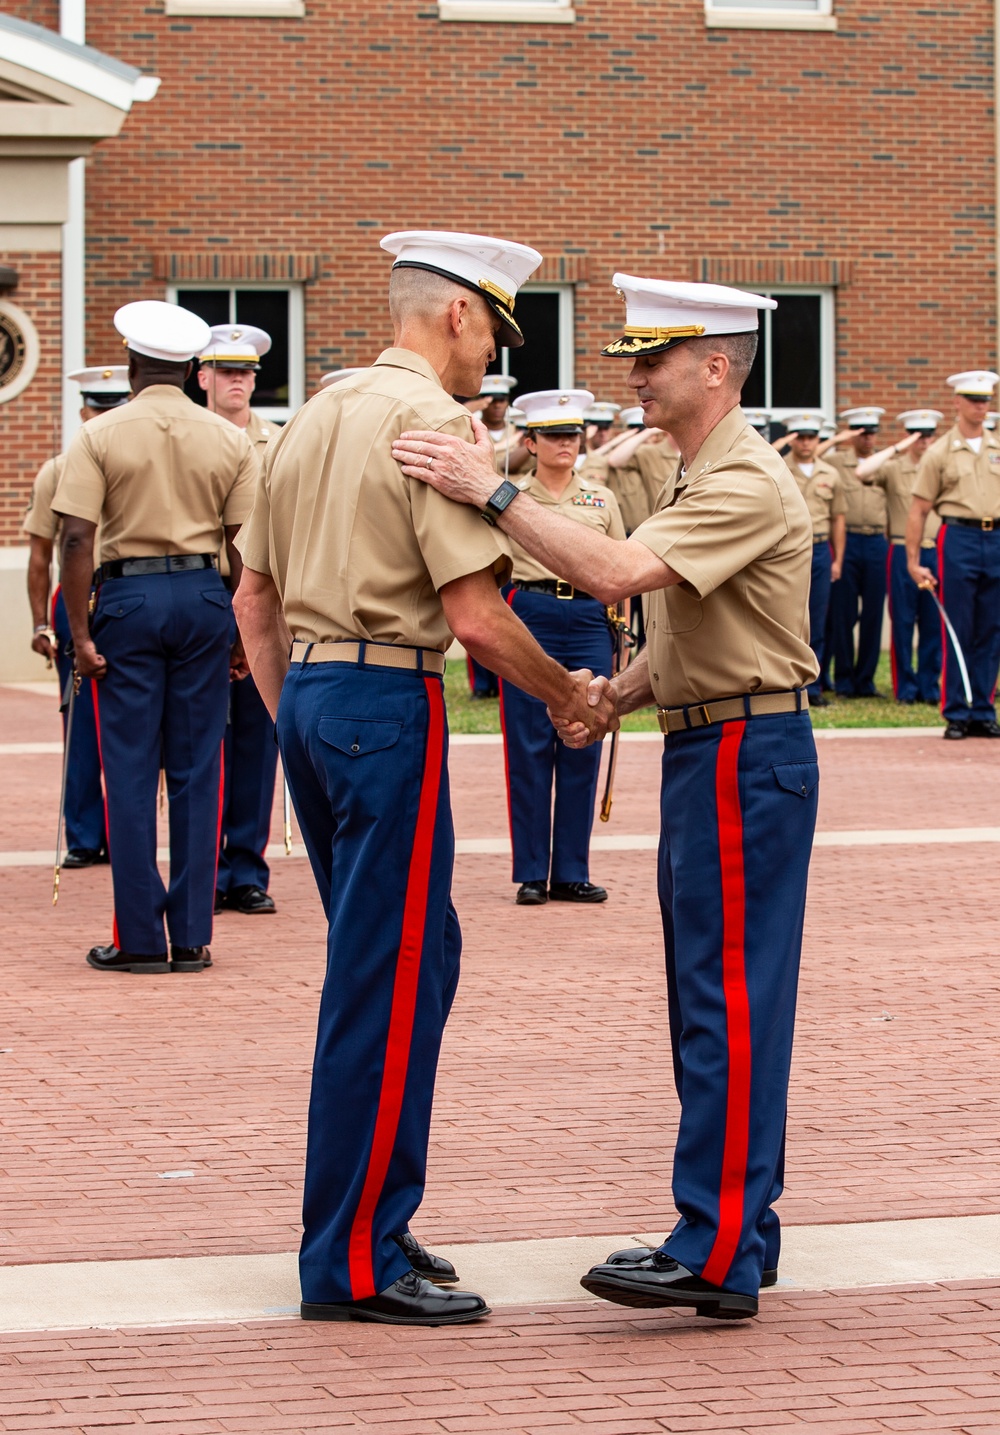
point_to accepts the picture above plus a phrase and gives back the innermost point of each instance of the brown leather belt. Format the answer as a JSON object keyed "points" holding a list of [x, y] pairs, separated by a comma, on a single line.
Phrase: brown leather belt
{"points": [[370, 655], [705, 714]]}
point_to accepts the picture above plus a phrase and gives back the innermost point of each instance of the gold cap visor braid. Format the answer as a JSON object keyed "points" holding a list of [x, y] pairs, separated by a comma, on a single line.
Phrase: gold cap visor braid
{"points": [[650, 341]]}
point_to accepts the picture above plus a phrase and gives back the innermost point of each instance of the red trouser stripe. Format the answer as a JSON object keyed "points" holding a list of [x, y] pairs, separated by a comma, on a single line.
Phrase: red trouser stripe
{"points": [[892, 639], [404, 1002], [471, 672], [734, 983], [52, 610], [944, 630], [107, 824]]}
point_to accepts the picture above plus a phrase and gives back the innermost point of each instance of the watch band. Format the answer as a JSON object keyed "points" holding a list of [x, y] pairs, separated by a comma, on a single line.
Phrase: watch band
{"points": [[500, 499]]}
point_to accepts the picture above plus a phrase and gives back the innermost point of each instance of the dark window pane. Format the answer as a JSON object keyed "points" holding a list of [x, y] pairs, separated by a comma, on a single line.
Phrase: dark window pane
{"points": [[754, 396], [536, 365], [795, 359], [268, 310], [212, 305]]}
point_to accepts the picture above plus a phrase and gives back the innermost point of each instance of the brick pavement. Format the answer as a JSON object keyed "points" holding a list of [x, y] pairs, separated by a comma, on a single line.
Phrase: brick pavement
{"points": [[555, 1114], [918, 1358]]}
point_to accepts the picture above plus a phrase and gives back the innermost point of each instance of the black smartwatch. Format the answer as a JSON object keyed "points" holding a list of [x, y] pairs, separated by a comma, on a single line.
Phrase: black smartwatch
{"points": [[498, 501]]}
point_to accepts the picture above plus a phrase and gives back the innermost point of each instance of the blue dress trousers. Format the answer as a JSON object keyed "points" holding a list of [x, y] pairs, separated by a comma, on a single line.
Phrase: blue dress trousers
{"points": [[552, 839], [862, 584], [738, 813], [969, 579], [819, 606], [167, 639], [365, 751], [84, 794], [911, 609], [251, 762]]}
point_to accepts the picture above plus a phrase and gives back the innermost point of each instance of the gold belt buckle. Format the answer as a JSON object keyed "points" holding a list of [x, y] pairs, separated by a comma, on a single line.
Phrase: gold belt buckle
{"points": [[564, 589], [706, 716], [987, 525]]}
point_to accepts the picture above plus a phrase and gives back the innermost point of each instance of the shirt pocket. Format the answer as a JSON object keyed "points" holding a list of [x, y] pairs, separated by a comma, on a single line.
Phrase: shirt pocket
{"points": [[358, 736], [824, 492], [798, 777]]}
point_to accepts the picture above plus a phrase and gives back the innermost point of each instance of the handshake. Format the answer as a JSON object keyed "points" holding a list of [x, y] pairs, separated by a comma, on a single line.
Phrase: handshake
{"points": [[590, 715]]}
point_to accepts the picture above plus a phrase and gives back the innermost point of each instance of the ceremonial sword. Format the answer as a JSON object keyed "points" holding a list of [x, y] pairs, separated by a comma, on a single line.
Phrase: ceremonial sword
{"points": [[69, 701], [287, 810], [963, 670], [623, 646]]}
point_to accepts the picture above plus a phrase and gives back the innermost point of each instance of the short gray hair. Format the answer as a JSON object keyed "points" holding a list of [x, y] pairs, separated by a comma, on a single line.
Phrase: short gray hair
{"points": [[421, 294], [739, 349]]}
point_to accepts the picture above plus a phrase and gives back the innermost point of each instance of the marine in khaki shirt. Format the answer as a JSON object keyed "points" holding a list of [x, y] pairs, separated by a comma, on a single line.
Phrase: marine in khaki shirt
{"points": [[866, 502], [823, 492], [900, 476], [958, 482], [583, 501], [737, 530], [164, 476], [355, 550]]}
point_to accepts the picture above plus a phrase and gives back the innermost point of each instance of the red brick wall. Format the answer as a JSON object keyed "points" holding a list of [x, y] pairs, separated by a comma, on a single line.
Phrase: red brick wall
{"points": [[634, 139], [30, 423]]}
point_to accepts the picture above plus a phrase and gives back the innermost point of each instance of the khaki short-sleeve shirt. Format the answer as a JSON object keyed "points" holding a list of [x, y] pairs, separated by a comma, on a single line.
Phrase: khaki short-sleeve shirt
{"points": [[581, 501], [658, 463], [260, 432], [959, 482], [356, 549], [737, 530], [40, 521], [161, 474], [900, 479], [823, 492], [866, 506]]}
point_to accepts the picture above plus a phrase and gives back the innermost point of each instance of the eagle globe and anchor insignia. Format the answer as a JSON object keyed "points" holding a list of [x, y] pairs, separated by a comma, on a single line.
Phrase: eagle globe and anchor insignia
{"points": [[19, 351]]}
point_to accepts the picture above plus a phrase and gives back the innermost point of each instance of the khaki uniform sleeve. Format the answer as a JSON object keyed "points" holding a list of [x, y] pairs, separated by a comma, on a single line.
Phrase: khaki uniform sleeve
{"points": [[718, 526], [40, 521], [254, 539], [838, 504], [240, 499], [82, 487], [929, 475], [453, 539]]}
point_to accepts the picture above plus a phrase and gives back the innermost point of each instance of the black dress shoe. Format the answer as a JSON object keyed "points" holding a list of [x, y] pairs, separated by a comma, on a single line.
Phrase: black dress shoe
{"points": [[251, 900], [424, 1262], [409, 1301], [819, 702], [110, 959], [84, 857], [576, 892], [189, 959], [532, 894], [635, 1255], [983, 727], [660, 1281], [955, 730], [220, 902]]}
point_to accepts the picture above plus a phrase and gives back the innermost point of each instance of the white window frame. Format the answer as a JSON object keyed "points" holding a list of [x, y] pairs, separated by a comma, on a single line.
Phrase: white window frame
{"points": [[827, 349], [238, 9], [770, 15], [567, 331], [515, 12], [296, 336]]}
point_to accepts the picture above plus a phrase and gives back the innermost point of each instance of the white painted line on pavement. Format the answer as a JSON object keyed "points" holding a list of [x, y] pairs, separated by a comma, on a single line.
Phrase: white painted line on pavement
{"points": [[626, 842], [219, 1289], [30, 749]]}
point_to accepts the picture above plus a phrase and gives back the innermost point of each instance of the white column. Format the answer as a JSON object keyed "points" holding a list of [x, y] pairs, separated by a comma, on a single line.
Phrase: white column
{"points": [[73, 26]]}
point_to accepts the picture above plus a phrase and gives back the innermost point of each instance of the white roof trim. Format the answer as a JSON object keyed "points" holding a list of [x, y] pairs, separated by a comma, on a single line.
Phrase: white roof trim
{"points": [[79, 67]]}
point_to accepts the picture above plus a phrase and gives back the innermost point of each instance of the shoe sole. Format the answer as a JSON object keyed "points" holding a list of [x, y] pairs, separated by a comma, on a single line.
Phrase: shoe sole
{"points": [[438, 1280], [531, 901], [728, 1306], [137, 968], [338, 1312], [189, 966], [581, 901], [768, 1277]]}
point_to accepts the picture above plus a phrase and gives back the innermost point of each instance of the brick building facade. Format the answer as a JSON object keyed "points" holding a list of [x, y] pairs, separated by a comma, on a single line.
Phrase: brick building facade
{"points": [[851, 169]]}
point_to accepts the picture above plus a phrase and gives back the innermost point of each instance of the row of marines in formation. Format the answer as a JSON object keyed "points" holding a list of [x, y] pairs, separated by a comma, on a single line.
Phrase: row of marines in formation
{"points": [[376, 533]]}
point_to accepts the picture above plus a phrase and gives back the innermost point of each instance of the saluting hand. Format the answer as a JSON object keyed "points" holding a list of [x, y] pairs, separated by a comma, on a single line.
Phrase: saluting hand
{"points": [[90, 663]]}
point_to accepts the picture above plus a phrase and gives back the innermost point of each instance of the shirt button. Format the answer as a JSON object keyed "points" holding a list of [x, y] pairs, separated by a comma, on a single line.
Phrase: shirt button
{"points": [[656, 676]]}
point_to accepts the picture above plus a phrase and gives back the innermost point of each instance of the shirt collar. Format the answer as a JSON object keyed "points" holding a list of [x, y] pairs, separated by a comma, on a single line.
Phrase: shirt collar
{"points": [[538, 490], [956, 438], [407, 359], [719, 442]]}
